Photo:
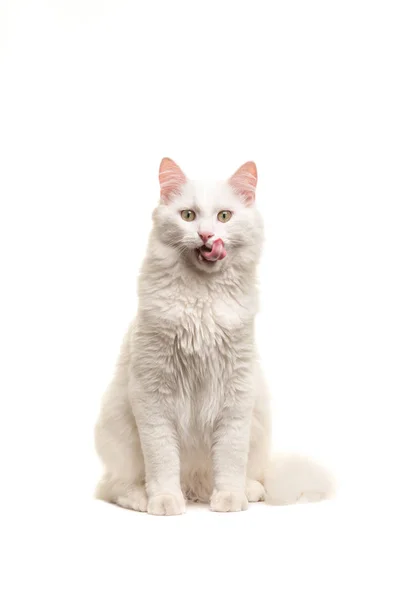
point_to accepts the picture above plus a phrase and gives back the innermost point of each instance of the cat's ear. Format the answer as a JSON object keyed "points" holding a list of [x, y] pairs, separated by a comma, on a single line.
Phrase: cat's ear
{"points": [[244, 182], [171, 179]]}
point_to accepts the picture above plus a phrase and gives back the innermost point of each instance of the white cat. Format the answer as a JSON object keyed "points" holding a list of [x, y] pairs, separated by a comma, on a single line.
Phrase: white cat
{"points": [[186, 415]]}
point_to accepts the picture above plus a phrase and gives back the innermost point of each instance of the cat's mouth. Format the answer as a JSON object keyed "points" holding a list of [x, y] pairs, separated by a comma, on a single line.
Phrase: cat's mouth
{"points": [[211, 255]]}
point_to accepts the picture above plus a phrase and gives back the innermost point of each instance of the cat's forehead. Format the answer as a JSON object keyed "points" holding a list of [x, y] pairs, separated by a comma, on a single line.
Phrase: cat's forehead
{"points": [[210, 194]]}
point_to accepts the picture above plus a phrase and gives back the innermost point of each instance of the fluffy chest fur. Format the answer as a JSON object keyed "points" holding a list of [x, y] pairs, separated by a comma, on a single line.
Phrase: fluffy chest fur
{"points": [[192, 340], [195, 316]]}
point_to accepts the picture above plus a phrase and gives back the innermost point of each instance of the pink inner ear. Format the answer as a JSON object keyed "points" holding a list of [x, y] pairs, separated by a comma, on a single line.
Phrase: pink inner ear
{"points": [[171, 179], [244, 182]]}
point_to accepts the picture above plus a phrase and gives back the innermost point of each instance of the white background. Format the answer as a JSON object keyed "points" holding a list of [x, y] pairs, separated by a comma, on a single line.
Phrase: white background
{"points": [[93, 94]]}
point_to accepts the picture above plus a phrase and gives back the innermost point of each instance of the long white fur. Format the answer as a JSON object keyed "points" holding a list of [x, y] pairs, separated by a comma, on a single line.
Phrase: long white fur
{"points": [[186, 415]]}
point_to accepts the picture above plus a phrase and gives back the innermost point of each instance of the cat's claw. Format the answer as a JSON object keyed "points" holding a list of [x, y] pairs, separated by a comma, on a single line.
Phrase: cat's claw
{"points": [[225, 501], [166, 504]]}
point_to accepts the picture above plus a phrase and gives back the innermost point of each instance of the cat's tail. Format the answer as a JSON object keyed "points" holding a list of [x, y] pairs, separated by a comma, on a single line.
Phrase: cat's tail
{"points": [[291, 479]]}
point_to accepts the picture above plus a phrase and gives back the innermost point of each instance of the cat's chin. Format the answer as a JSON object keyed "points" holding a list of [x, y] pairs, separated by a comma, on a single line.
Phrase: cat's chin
{"points": [[208, 266]]}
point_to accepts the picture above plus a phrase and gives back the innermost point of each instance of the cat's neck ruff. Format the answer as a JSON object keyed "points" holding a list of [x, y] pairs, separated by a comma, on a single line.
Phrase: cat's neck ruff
{"points": [[163, 268]]}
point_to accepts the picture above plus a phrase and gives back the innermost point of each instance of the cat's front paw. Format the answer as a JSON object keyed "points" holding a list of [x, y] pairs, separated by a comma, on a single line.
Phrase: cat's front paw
{"points": [[166, 504], [225, 501]]}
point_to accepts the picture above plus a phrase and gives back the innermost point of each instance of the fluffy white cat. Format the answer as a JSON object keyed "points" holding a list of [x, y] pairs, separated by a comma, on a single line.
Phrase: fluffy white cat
{"points": [[186, 415]]}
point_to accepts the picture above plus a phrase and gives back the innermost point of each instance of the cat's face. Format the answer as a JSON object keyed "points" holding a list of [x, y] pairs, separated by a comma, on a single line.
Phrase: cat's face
{"points": [[209, 225]]}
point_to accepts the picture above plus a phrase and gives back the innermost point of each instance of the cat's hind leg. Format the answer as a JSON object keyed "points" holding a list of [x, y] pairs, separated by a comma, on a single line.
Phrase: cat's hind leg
{"points": [[118, 445], [255, 491], [123, 493], [258, 453]]}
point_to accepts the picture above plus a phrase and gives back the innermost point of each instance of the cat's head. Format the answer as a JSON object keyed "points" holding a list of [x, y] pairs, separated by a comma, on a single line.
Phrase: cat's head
{"points": [[209, 225]]}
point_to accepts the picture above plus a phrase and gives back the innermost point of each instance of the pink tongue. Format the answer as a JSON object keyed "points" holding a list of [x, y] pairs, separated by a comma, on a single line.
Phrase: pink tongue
{"points": [[217, 251]]}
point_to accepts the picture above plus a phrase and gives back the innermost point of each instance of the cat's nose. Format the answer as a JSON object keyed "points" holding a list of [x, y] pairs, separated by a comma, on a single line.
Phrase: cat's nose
{"points": [[205, 236]]}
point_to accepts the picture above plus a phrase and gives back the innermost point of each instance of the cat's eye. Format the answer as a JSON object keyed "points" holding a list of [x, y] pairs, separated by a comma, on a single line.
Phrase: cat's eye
{"points": [[188, 215], [224, 216]]}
